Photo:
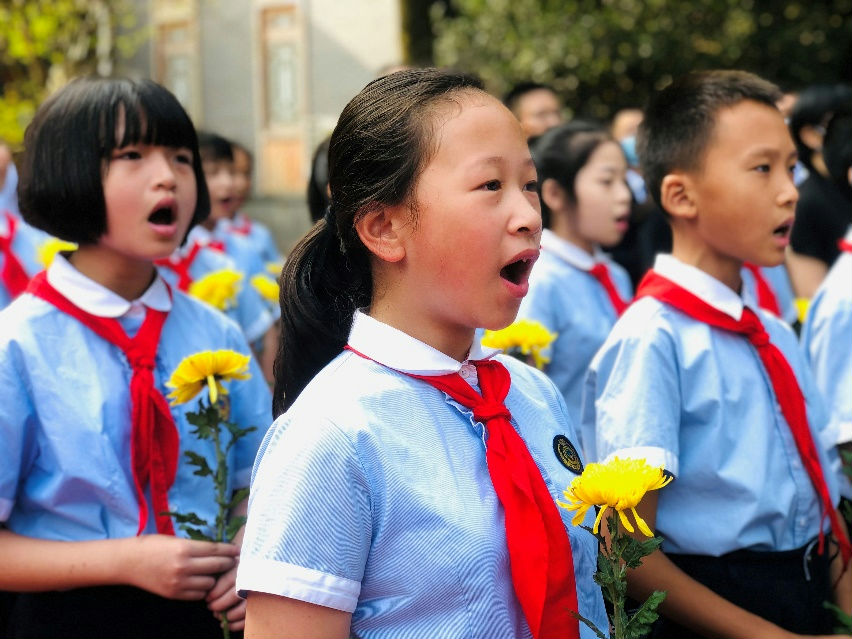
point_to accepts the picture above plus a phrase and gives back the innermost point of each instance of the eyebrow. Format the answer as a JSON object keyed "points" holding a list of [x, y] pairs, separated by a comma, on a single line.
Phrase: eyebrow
{"points": [[770, 151], [497, 160]]}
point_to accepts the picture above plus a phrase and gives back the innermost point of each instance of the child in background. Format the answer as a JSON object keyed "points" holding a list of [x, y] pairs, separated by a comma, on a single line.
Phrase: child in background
{"points": [[576, 290], [827, 333], [217, 161], [238, 222], [373, 511], [92, 455], [19, 241], [217, 158], [696, 379]]}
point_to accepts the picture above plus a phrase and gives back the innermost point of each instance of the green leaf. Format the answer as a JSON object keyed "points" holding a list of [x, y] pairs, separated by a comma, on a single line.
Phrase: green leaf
{"points": [[196, 534], [239, 496], [843, 619], [237, 432], [640, 623], [233, 527], [200, 462], [187, 518]]}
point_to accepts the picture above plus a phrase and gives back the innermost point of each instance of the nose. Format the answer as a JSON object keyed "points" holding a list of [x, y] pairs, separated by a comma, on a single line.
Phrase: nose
{"points": [[623, 193], [164, 172], [526, 217], [789, 194]]}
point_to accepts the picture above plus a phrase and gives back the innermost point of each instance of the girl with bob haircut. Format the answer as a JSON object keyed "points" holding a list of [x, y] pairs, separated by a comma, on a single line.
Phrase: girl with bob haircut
{"points": [[409, 487], [93, 455], [576, 290]]}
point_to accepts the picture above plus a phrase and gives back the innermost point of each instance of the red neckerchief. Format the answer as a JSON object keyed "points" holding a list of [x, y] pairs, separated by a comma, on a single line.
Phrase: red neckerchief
{"points": [[154, 441], [788, 394], [539, 549]]}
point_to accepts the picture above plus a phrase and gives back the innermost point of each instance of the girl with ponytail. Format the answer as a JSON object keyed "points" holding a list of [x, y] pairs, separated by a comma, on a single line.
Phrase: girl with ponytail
{"points": [[385, 500]]}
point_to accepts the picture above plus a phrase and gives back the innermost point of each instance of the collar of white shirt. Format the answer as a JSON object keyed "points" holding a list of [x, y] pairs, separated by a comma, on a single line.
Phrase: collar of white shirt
{"points": [[397, 350], [705, 286], [848, 236], [198, 234], [571, 253], [99, 300]]}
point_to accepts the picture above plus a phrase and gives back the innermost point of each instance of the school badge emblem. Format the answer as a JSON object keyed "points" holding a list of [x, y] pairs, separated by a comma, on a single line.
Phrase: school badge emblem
{"points": [[567, 454]]}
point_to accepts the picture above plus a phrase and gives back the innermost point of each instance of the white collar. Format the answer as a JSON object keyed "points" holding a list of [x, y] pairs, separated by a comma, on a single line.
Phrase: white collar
{"points": [[705, 286], [848, 236], [99, 300], [199, 234], [569, 252], [397, 350]]}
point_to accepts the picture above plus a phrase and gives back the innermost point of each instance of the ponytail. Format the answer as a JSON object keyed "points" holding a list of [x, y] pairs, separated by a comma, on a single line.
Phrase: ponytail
{"points": [[321, 287]]}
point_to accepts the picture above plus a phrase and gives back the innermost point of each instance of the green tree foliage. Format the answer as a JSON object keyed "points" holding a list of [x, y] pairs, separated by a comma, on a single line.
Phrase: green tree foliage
{"points": [[43, 43], [605, 54]]}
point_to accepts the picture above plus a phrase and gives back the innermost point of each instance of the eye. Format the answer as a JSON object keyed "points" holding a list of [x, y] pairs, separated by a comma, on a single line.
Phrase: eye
{"points": [[762, 168], [491, 185], [532, 185], [184, 157], [126, 154]]}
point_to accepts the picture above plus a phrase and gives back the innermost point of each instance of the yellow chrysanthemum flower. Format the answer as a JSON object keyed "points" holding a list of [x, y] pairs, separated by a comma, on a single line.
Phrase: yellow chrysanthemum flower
{"points": [[526, 335], [266, 287], [50, 247], [219, 288], [208, 368], [619, 484], [274, 268], [802, 304]]}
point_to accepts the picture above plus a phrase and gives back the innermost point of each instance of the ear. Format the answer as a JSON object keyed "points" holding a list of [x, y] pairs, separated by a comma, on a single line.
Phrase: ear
{"points": [[382, 229], [849, 176], [811, 137], [553, 195], [676, 196]]}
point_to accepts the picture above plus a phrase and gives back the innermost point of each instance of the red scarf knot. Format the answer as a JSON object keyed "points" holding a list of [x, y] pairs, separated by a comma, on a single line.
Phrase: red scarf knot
{"points": [[489, 410]]}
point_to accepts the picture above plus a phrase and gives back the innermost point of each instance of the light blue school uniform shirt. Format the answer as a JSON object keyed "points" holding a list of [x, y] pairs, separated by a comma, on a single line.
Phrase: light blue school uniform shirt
{"points": [[827, 342], [65, 423], [25, 246], [779, 281], [698, 401], [259, 235], [570, 302], [371, 495], [238, 248], [249, 311]]}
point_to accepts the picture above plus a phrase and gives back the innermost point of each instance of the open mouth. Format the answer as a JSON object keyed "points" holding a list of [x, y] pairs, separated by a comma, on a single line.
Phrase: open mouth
{"points": [[163, 216], [516, 272], [783, 230]]}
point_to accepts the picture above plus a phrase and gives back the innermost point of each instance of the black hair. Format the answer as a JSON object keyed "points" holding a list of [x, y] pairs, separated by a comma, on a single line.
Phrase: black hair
{"points": [[679, 121], [814, 107], [561, 152], [382, 142], [214, 148], [514, 95], [317, 194], [837, 147], [69, 143]]}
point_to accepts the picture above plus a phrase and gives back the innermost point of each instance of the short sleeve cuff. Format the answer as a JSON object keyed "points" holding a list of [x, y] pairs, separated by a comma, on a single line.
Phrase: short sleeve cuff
{"points": [[653, 455], [5, 508], [297, 582]]}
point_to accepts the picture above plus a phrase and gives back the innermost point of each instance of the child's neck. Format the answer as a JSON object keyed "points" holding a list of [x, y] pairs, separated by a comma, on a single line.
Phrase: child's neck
{"points": [[696, 253], [564, 229], [125, 277]]}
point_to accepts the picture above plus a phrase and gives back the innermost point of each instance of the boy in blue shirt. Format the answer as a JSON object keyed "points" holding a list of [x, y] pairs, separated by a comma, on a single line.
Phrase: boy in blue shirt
{"points": [[694, 377]]}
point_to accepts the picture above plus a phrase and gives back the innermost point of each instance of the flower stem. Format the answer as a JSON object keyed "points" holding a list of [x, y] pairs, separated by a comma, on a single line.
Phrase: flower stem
{"points": [[616, 598]]}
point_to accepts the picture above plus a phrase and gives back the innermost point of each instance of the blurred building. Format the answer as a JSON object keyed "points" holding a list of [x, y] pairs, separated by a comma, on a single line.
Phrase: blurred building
{"points": [[270, 74]]}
